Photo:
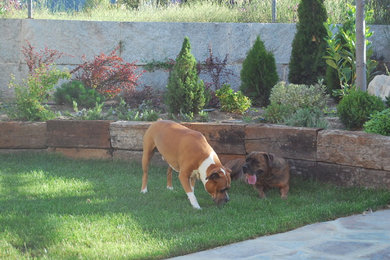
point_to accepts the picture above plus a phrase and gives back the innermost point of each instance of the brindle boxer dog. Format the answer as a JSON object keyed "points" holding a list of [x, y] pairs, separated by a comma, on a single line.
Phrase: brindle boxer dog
{"points": [[263, 171]]}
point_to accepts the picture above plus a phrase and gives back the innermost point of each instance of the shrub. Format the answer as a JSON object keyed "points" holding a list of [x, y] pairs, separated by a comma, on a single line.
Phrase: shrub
{"points": [[147, 95], [76, 91], [307, 117], [185, 92], [276, 113], [299, 96], [308, 47], [379, 123], [108, 74], [356, 107], [37, 59], [232, 101], [286, 99], [31, 95], [258, 74]]}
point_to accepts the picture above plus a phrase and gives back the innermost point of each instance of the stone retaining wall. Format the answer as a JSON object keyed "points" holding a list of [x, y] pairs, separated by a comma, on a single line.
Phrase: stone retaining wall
{"points": [[340, 157]]}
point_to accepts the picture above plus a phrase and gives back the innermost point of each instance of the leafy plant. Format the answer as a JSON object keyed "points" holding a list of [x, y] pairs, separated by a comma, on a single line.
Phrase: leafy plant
{"points": [[381, 11], [232, 101], [341, 54], [299, 96], [185, 92], [216, 69], [307, 117], [31, 95], [308, 47], [379, 123], [286, 99], [356, 107], [76, 91], [124, 112], [276, 113], [108, 74], [95, 113], [258, 74]]}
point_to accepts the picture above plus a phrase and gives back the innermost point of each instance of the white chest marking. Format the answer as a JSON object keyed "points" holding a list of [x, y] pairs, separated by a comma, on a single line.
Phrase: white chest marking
{"points": [[204, 165]]}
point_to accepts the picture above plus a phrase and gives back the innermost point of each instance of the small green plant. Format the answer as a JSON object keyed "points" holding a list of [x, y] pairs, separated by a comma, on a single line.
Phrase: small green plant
{"points": [[379, 123], [307, 117], [95, 113], [203, 116], [185, 92], [33, 93], [76, 91], [124, 112], [276, 113], [232, 101], [356, 107], [258, 74]]}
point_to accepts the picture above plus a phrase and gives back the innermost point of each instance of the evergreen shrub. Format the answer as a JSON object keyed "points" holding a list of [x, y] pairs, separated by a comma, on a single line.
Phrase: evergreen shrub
{"points": [[258, 74], [76, 91], [185, 92], [379, 123], [308, 47], [356, 107]]}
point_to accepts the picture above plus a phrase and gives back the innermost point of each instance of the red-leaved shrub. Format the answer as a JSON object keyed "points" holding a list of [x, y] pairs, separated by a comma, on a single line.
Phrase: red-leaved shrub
{"points": [[37, 59], [108, 74]]}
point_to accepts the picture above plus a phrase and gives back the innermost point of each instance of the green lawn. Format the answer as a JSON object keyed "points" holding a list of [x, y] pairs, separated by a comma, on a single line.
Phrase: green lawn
{"points": [[57, 208]]}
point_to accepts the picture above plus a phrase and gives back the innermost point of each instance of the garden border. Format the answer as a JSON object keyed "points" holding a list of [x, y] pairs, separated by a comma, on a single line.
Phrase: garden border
{"points": [[348, 158]]}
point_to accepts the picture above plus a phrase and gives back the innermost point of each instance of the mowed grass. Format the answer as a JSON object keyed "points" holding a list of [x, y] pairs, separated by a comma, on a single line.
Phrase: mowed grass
{"points": [[57, 208]]}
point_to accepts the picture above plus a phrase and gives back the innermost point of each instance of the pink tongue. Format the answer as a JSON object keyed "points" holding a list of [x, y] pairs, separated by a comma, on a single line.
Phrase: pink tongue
{"points": [[251, 179]]}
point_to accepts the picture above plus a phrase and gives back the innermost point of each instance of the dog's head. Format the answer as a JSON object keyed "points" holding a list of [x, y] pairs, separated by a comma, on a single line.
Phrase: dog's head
{"points": [[257, 164], [218, 183]]}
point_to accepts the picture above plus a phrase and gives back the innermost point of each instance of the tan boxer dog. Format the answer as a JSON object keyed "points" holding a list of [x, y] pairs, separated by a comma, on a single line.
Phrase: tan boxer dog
{"points": [[263, 171], [187, 152]]}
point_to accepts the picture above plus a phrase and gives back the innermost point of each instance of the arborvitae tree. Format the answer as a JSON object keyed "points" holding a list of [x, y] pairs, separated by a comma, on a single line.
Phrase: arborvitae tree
{"points": [[308, 47], [258, 74], [185, 92]]}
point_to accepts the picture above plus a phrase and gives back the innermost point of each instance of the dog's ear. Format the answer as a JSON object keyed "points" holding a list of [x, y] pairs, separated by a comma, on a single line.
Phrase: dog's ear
{"points": [[269, 157], [213, 176]]}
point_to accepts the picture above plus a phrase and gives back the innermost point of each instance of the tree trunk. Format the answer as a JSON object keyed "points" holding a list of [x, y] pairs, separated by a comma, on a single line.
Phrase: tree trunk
{"points": [[361, 81]]}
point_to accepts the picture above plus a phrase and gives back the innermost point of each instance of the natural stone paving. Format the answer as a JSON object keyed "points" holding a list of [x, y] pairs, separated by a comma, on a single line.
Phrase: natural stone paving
{"points": [[364, 236]]}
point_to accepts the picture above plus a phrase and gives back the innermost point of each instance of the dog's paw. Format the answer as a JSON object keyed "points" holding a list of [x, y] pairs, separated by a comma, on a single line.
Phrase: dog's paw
{"points": [[169, 187], [144, 190]]}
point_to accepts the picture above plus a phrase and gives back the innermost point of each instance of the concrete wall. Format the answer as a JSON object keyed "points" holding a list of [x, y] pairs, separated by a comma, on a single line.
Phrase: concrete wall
{"points": [[144, 42]]}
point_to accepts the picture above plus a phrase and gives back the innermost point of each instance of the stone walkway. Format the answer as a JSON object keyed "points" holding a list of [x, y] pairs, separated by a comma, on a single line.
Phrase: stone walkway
{"points": [[364, 236]]}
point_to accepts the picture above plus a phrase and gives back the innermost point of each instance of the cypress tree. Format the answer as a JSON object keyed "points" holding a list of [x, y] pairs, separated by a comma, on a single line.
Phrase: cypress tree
{"points": [[308, 47], [185, 92], [258, 74]]}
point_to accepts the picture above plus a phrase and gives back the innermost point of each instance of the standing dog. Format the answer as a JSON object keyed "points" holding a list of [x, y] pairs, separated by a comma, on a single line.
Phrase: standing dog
{"points": [[263, 171], [187, 152]]}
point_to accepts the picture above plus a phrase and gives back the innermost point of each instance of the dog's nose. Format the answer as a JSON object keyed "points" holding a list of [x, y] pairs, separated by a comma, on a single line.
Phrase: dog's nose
{"points": [[245, 168]]}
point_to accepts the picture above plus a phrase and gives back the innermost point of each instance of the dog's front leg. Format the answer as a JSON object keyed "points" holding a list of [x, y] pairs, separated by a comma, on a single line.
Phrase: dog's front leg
{"points": [[186, 183]]}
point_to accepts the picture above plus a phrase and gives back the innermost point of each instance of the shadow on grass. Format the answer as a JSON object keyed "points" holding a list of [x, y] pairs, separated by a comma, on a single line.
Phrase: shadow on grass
{"points": [[55, 207]]}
